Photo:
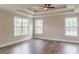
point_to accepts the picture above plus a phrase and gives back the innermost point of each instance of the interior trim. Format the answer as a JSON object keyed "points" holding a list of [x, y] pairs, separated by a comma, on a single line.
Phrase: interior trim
{"points": [[57, 39], [11, 43]]}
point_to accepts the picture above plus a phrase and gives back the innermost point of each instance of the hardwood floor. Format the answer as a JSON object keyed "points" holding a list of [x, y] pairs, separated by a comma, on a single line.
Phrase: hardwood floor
{"points": [[36, 46]]}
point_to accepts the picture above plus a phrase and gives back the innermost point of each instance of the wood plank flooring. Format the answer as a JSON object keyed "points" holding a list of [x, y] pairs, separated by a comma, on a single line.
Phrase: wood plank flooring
{"points": [[36, 46]]}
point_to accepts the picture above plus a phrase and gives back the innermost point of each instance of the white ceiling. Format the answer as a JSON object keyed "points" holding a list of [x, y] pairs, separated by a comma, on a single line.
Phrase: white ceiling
{"points": [[40, 9], [28, 8], [20, 6], [15, 6]]}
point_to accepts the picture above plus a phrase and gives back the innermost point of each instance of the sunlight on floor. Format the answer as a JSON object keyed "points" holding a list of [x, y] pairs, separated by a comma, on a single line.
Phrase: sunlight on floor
{"points": [[70, 49]]}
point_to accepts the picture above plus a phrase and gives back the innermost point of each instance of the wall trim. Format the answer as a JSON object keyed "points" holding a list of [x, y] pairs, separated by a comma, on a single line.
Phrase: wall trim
{"points": [[11, 43], [57, 39]]}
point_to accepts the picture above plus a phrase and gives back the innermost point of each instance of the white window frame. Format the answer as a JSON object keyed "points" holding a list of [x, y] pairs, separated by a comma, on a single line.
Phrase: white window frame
{"points": [[21, 26], [71, 28], [38, 26]]}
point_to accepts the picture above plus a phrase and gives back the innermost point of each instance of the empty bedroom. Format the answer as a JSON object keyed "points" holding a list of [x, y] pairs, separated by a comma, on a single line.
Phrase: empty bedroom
{"points": [[39, 28]]}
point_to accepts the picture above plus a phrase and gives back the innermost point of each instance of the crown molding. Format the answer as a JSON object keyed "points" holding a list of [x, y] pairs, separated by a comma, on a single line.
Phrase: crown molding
{"points": [[44, 14], [67, 13]]}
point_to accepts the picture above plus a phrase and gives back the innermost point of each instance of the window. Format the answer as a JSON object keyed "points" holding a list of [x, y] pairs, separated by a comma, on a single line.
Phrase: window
{"points": [[17, 26], [30, 27], [25, 26], [20, 26], [71, 26], [39, 26]]}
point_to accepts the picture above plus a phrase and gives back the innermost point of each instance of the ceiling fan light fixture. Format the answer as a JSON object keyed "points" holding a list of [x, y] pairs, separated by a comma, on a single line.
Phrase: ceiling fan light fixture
{"points": [[45, 8]]}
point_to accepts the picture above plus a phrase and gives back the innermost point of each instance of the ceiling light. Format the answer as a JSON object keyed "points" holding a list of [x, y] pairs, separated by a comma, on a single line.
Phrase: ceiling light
{"points": [[45, 8]]}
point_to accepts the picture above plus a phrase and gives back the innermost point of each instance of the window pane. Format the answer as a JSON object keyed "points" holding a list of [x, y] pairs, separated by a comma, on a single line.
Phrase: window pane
{"points": [[71, 26], [38, 22], [17, 26], [39, 30], [17, 22], [21, 26], [39, 26], [25, 30], [17, 31], [25, 26], [24, 22], [30, 27]]}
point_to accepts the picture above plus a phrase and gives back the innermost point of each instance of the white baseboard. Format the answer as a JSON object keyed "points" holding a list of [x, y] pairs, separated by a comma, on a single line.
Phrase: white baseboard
{"points": [[58, 39], [11, 43]]}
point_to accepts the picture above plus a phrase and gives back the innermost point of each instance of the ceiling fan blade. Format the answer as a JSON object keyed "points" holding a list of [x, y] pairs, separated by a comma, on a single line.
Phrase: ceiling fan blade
{"points": [[50, 7], [49, 4], [45, 5]]}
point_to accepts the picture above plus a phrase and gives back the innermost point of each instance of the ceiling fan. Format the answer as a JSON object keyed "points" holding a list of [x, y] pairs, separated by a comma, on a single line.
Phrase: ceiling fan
{"points": [[42, 7], [47, 6]]}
